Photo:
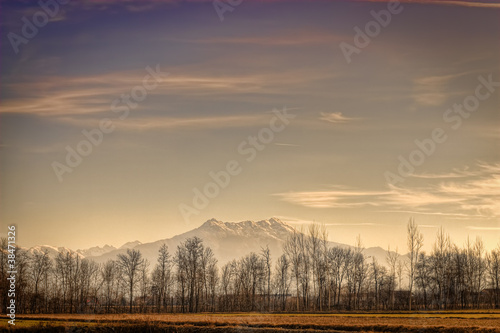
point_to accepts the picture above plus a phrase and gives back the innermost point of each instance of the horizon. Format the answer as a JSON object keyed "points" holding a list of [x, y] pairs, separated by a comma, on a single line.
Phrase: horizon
{"points": [[302, 228], [123, 121]]}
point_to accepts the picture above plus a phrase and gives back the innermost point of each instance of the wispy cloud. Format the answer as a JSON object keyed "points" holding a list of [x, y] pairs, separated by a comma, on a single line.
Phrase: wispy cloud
{"points": [[146, 3], [333, 198], [432, 90], [300, 221], [294, 220], [462, 3], [335, 117], [57, 96], [483, 228], [290, 38], [287, 144], [172, 123], [476, 196], [356, 224], [456, 216], [455, 173]]}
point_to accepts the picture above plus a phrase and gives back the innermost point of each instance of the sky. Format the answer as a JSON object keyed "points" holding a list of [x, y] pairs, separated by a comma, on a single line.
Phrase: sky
{"points": [[116, 117]]}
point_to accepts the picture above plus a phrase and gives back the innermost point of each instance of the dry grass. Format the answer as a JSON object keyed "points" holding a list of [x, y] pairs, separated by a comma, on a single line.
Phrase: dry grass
{"points": [[467, 321]]}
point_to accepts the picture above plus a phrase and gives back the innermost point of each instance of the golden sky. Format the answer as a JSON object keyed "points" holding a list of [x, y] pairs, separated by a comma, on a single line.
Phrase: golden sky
{"points": [[354, 121]]}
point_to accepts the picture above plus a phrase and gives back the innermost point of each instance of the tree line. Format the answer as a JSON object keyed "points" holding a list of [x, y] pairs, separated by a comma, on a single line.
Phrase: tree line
{"points": [[310, 275]]}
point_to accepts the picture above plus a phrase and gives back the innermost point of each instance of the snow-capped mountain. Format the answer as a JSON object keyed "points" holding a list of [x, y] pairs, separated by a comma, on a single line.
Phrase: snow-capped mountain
{"points": [[52, 250], [228, 240], [130, 245], [97, 250]]}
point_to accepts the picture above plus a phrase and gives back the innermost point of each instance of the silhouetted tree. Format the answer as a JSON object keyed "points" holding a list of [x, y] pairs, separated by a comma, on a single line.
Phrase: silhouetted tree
{"points": [[130, 264]]}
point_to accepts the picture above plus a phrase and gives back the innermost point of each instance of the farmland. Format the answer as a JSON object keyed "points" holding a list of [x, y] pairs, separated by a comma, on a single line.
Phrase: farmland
{"points": [[468, 321]]}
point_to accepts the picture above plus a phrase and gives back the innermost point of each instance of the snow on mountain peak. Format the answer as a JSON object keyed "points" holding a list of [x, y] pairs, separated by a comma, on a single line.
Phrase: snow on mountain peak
{"points": [[228, 240], [213, 223], [273, 228], [52, 251], [96, 250], [130, 245]]}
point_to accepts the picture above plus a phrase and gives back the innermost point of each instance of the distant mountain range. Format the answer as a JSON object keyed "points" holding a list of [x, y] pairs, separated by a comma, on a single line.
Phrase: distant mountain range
{"points": [[228, 240]]}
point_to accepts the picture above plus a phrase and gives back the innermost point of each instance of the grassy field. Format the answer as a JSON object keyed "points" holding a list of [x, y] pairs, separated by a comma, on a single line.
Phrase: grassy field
{"points": [[467, 321]]}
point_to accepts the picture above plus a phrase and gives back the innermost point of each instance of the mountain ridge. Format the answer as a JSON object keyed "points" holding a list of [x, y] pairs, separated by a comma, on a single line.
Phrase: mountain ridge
{"points": [[228, 240]]}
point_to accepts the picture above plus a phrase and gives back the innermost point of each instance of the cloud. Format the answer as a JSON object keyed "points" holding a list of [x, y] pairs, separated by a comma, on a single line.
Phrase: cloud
{"points": [[130, 4], [483, 228], [357, 224], [455, 173], [173, 123], [294, 220], [134, 6], [56, 96], [477, 195], [64, 96], [433, 90], [335, 117], [456, 216], [461, 3], [287, 144], [290, 38], [333, 198]]}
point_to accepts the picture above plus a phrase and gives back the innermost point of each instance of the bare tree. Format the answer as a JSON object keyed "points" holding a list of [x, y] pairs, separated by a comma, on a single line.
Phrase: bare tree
{"points": [[181, 275], [360, 271], [325, 267], [213, 282], [227, 282], [391, 259], [162, 275], [415, 242], [322, 276], [339, 262], [422, 276], [3, 273], [130, 264], [479, 269], [305, 278], [208, 282], [266, 256], [376, 277], [282, 280], [440, 263], [109, 276], [40, 264], [494, 274], [317, 252], [293, 253], [189, 258], [144, 282]]}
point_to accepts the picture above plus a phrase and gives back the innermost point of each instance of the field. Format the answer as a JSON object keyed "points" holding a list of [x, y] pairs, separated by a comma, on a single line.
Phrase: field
{"points": [[468, 321]]}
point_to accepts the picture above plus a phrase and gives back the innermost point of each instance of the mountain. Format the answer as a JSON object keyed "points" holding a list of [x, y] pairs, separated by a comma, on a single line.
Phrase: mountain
{"points": [[130, 245], [52, 250], [97, 250], [228, 240], [231, 240]]}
